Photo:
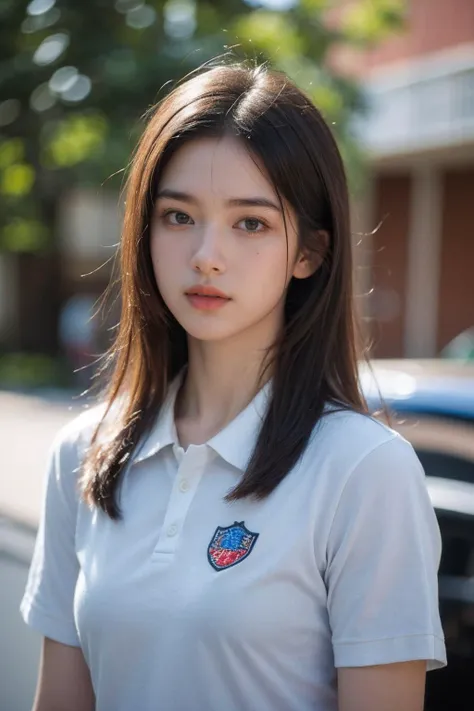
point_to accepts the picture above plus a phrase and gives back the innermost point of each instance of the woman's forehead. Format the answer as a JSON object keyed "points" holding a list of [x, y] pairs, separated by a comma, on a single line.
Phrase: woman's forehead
{"points": [[221, 167]]}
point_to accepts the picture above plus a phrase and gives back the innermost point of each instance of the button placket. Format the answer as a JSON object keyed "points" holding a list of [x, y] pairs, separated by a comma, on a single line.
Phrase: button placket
{"points": [[188, 475]]}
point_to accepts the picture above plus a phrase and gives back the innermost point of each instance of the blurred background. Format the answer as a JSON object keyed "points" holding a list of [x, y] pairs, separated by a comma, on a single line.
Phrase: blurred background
{"points": [[395, 79]]}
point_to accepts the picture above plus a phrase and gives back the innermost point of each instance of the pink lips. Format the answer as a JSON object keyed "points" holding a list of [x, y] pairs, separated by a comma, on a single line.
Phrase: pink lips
{"points": [[206, 298]]}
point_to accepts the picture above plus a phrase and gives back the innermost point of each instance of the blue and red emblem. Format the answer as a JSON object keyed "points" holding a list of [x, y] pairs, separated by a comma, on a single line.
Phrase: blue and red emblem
{"points": [[230, 545]]}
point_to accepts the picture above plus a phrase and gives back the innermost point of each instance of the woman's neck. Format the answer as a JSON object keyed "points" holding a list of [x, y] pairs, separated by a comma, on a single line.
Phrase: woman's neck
{"points": [[222, 379]]}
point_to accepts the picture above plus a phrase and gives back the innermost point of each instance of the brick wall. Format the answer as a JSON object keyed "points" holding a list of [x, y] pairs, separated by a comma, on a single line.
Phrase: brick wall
{"points": [[431, 26], [389, 264], [456, 287]]}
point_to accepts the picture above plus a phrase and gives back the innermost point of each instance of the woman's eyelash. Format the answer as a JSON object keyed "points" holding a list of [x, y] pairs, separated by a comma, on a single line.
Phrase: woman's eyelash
{"points": [[169, 211]]}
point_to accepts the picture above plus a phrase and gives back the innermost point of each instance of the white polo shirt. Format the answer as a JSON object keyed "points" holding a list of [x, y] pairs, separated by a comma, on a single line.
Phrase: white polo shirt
{"points": [[191, 603]]}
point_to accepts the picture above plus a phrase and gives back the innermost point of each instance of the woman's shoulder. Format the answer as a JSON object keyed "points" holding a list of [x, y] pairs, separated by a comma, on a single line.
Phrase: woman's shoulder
{"points": [[363, 428], [358, 454], [346, 438], [75, 436]]}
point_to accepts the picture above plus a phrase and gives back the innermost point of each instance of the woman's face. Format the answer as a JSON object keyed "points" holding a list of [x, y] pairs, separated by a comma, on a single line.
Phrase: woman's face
{"points": [[218, 224]]}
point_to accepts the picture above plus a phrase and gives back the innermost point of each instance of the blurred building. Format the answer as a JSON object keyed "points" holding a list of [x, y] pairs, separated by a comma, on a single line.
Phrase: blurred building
{"points": [[90, 227], [73, 281], [420, 139]]}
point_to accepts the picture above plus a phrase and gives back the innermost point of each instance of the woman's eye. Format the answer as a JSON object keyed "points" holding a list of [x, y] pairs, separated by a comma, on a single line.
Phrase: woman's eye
{"points": [[175, 217], [251, 224]]}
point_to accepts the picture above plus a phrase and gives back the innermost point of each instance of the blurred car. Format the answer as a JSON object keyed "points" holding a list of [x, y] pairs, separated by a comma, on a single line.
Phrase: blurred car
{"points": [[461, 347], [431, 403]]}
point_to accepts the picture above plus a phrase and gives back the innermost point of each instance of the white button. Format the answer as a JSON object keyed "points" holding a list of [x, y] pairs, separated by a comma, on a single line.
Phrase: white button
{"points": [[184, 485], [172, 530]]}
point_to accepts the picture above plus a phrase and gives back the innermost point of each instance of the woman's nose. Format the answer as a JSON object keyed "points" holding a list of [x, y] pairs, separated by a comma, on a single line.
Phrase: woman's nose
{"points": [[207, 257]]}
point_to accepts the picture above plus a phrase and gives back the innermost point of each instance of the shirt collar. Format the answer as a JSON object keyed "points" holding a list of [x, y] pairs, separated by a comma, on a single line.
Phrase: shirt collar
{"points": [[163, 431], [234, 443]]}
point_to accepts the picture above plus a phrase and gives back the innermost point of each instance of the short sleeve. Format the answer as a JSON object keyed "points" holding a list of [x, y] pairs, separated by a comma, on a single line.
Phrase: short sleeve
{"points": [[47, 604], [383, 555]]}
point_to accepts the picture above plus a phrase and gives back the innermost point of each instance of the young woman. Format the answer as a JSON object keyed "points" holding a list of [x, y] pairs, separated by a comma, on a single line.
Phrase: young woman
{"points": [[230, 530]]}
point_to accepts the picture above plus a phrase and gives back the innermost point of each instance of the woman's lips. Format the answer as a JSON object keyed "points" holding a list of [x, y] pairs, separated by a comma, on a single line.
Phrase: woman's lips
{"points": [[206, 303], [206, 298]]}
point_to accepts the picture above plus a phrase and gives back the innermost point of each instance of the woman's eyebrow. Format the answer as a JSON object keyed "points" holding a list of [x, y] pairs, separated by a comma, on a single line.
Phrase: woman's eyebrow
{"points": [[232, 202], [176, 195], [253, 202]]}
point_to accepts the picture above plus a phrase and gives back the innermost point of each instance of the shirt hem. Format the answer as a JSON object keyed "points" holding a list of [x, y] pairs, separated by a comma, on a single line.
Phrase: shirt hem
{"points": [[390, 651], [48, 626]]}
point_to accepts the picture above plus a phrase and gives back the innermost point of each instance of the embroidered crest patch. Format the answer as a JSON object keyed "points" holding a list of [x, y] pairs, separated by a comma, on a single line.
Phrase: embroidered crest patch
{"points": [[230, 545]]}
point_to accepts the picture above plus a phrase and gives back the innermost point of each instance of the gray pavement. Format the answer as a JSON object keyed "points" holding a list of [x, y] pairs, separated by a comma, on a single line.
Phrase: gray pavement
{"points": [[27, 427]]}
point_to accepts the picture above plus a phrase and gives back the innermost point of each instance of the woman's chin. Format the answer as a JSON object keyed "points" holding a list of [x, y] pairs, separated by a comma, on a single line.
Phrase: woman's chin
{"points": [[207, 328]]}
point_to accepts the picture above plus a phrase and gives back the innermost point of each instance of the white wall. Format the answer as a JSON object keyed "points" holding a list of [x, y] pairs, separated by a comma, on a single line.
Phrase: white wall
{"points": [[90, 224], [421, 104]]}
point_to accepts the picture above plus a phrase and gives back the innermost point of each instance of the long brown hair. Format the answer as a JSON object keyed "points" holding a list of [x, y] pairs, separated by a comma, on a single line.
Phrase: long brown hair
{"points": [[314, 361]]}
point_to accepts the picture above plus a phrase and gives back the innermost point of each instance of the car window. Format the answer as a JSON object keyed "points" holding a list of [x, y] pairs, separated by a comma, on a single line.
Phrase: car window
{"points": [[446, 466]]}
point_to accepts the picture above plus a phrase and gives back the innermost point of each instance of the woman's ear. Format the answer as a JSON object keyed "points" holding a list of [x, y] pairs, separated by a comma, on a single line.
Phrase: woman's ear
{"points": [[310, 258]]}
